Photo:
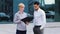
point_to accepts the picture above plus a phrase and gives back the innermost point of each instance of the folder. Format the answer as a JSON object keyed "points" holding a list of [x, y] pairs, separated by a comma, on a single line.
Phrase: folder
{"points": [[27, 19]]}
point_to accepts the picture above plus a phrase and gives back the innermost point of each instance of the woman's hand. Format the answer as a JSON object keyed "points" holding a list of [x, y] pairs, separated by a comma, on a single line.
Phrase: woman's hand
{"points": [[27, 23]]}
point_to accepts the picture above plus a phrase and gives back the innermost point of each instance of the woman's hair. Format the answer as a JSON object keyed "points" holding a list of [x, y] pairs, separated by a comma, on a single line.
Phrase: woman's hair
{"points": [[21, 4]]}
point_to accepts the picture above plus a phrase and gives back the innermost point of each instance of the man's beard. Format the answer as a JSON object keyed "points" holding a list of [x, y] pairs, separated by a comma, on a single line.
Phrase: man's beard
{"points": [[36, 9]]}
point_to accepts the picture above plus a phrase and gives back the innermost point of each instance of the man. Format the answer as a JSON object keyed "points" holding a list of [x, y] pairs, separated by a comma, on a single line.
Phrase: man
{"points": [[21, 26], [39, 19]]}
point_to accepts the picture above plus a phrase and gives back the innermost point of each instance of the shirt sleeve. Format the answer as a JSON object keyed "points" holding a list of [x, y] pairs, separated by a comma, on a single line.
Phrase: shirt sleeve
{"points": [[43, 16], [16, 19]]}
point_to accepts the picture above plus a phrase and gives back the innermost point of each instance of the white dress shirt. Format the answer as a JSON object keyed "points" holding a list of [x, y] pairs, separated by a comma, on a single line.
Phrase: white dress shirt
{"points": [[39, 18], [17, 19]]}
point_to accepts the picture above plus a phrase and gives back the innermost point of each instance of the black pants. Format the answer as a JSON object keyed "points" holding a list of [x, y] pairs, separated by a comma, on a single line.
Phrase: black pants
{"points": [[37, 30], [20, 32]]}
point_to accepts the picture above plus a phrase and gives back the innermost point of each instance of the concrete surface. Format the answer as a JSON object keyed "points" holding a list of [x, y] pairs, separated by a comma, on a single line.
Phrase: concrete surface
{"points": [[51, 28]]}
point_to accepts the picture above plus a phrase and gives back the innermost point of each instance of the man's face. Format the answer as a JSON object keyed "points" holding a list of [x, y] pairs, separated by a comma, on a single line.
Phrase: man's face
{"points": [[36, 7], [21, 8]]}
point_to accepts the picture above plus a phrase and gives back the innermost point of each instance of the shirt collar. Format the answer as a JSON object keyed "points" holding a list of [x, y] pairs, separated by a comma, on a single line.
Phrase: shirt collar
{"points": [[19, 12]]}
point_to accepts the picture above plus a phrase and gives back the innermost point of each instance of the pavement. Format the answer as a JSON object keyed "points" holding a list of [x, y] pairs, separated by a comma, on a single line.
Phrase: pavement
{"points": [[51, 28]]}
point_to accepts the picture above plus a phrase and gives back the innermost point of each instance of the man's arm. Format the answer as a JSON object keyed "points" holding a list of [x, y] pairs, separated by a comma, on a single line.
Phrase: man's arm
{"points": [[43, 16]]}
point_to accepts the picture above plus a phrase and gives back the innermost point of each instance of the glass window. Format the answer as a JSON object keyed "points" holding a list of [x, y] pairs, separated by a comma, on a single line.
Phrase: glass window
{"points": [[6, 13]]}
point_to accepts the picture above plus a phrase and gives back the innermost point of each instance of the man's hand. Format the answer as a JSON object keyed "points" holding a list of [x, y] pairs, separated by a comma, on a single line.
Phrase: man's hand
{"points": [[41, 27]]}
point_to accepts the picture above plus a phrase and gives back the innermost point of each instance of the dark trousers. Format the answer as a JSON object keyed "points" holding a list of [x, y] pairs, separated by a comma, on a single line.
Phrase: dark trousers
{"points": [[20, 32], [37, 30]]}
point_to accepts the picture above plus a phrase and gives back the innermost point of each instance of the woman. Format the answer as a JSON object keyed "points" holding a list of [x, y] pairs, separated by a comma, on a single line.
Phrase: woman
{"points": [[21, 26]]}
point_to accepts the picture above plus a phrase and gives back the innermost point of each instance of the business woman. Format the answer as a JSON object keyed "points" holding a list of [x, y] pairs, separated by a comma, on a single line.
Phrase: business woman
{"points": [[21, 26]]}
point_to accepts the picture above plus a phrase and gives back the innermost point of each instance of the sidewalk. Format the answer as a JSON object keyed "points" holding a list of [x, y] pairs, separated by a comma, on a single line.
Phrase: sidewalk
{"points": [[51, 28], [7, 28]]}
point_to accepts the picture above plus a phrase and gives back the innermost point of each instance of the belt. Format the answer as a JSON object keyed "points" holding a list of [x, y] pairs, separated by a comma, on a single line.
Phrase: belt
{"points": [[38, 26]]}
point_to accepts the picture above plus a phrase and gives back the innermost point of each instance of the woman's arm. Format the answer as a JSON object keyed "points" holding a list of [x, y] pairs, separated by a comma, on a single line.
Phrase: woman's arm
{"points": [[16, 20]]}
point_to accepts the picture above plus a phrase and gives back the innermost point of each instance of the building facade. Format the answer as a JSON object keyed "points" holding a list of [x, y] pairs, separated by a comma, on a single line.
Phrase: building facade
{"points": [[10, 7]]}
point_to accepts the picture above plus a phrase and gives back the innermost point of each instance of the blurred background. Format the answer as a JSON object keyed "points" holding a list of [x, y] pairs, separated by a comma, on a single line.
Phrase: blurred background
{"points": [[9, 7]]}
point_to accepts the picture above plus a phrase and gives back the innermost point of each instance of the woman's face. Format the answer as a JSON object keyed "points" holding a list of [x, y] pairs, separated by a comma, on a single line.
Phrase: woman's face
{"points": [[21, 8]]}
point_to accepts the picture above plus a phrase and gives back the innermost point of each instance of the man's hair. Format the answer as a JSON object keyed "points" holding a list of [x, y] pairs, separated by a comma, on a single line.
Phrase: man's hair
{"points": [[36, 2]]}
